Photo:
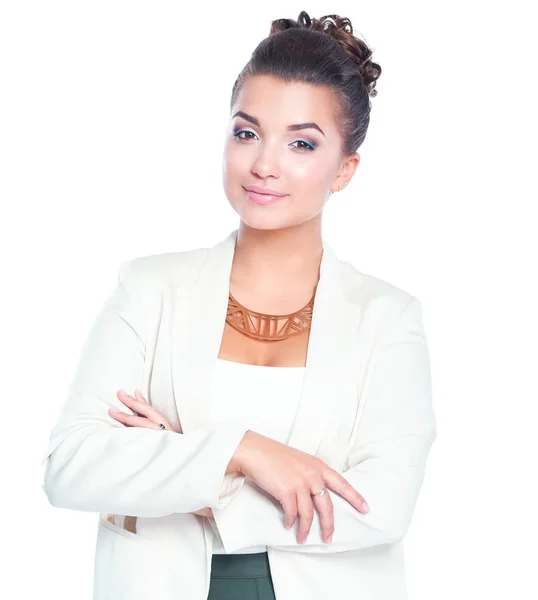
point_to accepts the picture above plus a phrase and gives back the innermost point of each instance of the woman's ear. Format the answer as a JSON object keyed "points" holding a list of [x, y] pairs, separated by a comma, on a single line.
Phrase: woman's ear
{"points": [[347, 171]]}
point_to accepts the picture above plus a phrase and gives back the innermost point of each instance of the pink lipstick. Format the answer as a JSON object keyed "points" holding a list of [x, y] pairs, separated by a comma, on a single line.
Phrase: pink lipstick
{"points": [[263, 195]]}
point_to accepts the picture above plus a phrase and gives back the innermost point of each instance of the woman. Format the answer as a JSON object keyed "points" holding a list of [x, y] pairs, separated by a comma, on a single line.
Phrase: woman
{"points": [[252, 420]]}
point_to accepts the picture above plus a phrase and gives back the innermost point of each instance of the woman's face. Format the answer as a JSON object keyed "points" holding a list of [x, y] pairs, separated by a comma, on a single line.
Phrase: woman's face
{"points": [[261, 149]]}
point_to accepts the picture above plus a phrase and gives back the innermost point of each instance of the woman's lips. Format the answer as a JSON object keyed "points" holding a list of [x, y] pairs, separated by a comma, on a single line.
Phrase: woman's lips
{"points": [[262, 198]]}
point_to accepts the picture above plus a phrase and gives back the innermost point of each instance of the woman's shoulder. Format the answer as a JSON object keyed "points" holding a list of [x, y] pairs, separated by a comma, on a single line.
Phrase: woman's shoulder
{"points": [[370, 290], [174, 268]]}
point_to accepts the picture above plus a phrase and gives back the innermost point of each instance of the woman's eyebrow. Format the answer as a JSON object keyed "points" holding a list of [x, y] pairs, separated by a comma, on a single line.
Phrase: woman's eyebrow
{"points": [[295, 127]]}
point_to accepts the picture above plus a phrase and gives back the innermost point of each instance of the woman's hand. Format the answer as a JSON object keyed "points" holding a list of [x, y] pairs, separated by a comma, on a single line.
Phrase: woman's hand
{"points": [[145, 416], [291, 477]]}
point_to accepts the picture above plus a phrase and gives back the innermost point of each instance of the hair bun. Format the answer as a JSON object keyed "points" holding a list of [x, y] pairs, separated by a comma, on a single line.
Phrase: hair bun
{"points": [[341, 30], [304, 19]]}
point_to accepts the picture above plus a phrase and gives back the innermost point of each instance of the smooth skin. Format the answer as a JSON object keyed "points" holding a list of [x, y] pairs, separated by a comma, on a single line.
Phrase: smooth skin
{"points": [[279, 247]]}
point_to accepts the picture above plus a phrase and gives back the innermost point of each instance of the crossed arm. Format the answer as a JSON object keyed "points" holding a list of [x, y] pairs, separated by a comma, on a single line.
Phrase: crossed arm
{"points": [[94, 463], [386, 463]]}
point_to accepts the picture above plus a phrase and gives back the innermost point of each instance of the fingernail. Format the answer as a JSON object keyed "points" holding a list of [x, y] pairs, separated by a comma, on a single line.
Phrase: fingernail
{"points": [[114, 411], [123, 391], [329, 539], [365, 506], [287, 525]]}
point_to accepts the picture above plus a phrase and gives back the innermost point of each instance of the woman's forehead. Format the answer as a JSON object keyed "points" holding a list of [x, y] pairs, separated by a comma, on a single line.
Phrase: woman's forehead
{"points": [[297, 103]]}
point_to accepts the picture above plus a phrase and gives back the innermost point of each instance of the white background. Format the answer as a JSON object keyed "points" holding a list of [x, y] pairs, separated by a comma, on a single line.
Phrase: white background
{"points": [[112, 126]]}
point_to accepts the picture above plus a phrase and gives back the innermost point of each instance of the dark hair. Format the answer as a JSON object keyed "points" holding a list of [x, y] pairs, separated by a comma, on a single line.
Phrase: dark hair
{"points": [[326, 53]]}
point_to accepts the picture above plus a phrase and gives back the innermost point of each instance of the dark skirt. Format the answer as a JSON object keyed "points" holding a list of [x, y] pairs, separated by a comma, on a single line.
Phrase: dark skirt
{"points": [[241, 577]]}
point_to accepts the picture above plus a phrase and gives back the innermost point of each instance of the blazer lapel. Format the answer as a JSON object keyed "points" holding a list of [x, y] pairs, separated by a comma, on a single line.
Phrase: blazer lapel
{"points": [[330, 374]]}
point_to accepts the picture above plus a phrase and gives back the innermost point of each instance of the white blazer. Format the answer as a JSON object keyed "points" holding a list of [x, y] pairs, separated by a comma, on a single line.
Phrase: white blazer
{"points": [[366, 410]]}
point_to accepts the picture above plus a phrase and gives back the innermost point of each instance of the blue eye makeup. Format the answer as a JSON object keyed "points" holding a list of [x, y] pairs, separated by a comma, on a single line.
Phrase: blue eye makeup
{"points": [[307, 148]]}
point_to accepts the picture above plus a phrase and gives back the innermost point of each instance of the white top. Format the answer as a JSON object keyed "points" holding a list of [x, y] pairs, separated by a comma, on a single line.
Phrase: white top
{"points": [[261, 398]]}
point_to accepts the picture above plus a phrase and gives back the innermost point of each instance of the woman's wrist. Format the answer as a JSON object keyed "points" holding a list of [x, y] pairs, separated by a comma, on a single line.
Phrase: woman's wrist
{"points": [[236, 462]]}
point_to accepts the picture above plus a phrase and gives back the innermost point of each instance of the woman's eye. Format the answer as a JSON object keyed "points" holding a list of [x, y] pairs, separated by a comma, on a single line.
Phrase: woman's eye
{"points": [[237, 133], [307, 147]]}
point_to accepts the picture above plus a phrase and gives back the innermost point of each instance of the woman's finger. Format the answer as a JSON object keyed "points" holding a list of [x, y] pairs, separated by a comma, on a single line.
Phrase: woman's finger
{"points": [[140, 397], [289, 504], [132, 420], [137, 405], [142, 409], [325, 508], [341, 486], [306, 515]]}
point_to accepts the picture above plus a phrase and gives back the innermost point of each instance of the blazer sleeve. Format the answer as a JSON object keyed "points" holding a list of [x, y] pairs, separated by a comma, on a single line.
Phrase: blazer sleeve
{"points": [[386, 463], [94, 463]]}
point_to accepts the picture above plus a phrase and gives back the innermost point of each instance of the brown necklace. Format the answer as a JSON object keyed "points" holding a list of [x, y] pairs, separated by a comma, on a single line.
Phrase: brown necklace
{"points": [[262, 326]]}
